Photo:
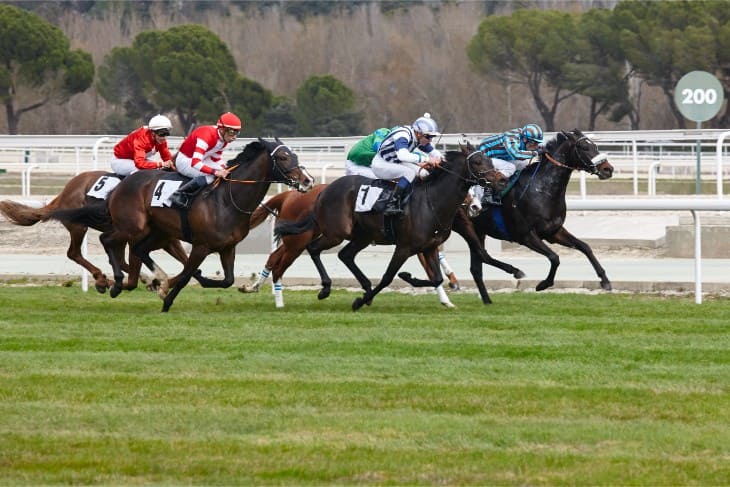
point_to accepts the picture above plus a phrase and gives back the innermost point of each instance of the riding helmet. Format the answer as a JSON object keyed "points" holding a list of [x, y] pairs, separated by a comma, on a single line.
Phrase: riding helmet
{"points": [[532, 133], [426, 125], [230, 121], [160, 122]]}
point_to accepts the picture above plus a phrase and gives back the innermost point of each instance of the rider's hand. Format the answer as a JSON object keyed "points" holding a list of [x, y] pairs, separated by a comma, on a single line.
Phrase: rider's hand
{"points": [[221, 173], [166, 164], [434, 160]]}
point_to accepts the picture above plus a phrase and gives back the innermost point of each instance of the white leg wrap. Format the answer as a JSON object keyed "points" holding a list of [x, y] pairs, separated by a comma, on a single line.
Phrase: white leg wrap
{"points": [[278, 296], [444, 264], [443, 298]]}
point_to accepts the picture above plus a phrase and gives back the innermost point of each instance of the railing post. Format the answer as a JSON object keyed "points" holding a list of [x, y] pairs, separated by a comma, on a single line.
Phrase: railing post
{"points": [[720, 141]]}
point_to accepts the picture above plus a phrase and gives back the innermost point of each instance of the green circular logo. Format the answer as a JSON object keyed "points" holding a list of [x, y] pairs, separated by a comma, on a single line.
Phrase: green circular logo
{"points": [[699, 95]]}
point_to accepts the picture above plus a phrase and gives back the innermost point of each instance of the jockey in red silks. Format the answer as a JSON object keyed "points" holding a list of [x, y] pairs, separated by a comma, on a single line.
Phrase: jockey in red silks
{"points": [[200, 156], [134, 151]]}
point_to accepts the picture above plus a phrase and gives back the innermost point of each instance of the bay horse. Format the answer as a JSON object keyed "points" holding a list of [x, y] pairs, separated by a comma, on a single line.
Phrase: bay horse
{"points": [[534, 210], [75, 195], [425, 224], [293, 205], [217, 220]]}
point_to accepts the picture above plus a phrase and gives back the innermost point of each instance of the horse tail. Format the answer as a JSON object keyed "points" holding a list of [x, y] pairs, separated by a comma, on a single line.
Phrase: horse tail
{"points": [[267, 208], [284, 227], [25, 215], [96, 216]]}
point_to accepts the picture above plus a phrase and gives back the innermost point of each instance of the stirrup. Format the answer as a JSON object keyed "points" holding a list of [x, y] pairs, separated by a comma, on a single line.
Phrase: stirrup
{"points": [[180, 200]]}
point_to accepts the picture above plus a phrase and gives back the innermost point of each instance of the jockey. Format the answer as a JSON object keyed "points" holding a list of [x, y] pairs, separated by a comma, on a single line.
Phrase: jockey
{"points": [[510, 151], [200, 156], [132, 153], [361, 154], [396, 158]]}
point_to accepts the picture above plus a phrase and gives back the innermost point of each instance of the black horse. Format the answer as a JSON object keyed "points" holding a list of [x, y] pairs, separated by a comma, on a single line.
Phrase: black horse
{"points": [[424, 226], [217, 220], [533, 211]]}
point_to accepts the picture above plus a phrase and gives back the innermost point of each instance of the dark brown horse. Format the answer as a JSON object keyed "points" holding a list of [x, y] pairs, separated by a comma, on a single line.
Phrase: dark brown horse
{"points": [[424, 226], [74, 195], [534, 210], [291, 205], [217, 220]]}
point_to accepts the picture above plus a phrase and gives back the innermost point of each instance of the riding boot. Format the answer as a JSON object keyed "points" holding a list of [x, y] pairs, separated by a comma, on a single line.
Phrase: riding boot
{"points": [[491, 197], [183, 197], [394, 206]]}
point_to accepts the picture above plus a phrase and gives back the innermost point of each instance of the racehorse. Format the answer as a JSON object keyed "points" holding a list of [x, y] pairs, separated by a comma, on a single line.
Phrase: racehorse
{"points": [[424, 226], [74, 195], [217, 220], [292, 205], [534, 210]]}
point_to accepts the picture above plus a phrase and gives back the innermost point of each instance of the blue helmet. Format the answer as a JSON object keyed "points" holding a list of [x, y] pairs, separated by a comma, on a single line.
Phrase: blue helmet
{"points": [[531, 133], [426, 125]]}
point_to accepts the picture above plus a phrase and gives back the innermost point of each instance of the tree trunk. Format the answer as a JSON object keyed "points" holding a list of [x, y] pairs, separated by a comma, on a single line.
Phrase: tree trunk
{"points": [[12, 118]]}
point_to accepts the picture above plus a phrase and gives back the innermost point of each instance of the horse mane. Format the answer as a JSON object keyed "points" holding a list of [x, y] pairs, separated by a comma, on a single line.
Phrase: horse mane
{"points": [[249, 153]]}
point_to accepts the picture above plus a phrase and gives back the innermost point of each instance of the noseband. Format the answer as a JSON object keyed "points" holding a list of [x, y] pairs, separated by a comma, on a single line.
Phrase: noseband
{"points": [[474, 178], [588, 165]]}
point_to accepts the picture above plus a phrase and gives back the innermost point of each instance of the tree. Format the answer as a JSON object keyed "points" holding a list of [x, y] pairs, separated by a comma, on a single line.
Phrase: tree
{"points": [[250, 101], [530, 47], [665, 40], [599, 69], [280, 120], [187, 70], [325, 107], [37, 64]]}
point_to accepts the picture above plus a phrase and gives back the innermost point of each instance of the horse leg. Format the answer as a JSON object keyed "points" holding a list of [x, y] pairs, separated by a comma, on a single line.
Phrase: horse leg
{"points": [[196, 257], [567, 239], [77, 233], [114, 248], [290, 249], [475, 267], [396, 262], [315, 249], [141, 251], [465, 227], [533, 242], [272, 262], [347, 255], [433, 268], [175, 248]]}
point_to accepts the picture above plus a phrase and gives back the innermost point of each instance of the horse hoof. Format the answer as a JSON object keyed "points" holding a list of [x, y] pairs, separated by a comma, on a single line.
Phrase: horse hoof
{"points": [[248, 289], [449, 305], [406, 276], [115, 291], [543, 285], [606, 286], [518, 274], [454, 286], [101, 288], [324, 293], [357, 304]]}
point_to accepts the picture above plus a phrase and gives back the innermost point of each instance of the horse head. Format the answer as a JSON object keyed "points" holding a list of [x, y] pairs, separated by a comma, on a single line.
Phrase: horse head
{"points": [[577, 151], [480, 169], [283, 163], [286, 166]]}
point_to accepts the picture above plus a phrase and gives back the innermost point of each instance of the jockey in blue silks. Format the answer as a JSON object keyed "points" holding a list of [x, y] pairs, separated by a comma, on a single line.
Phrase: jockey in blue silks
{"points": [[396, 158], [509, 151]]}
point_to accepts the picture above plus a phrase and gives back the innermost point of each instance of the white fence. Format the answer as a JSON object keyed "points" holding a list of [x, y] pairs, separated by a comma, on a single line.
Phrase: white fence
{"points": [[635, 155]]}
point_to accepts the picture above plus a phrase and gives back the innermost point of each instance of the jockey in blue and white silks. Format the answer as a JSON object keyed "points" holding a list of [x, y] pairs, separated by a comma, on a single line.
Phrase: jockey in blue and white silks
{"points": [[396, 157], [512, 150], [509, 151]]}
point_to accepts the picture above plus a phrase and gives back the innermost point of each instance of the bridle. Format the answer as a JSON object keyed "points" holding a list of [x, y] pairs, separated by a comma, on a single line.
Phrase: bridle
{"points": [[277, 168], [588, 165], [473, 177]]}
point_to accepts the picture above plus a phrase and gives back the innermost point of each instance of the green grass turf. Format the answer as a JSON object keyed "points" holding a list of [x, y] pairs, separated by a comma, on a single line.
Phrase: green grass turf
{"points": [[536, 389]]}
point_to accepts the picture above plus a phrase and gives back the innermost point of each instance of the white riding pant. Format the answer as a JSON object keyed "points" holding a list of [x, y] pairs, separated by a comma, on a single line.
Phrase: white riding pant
{"points": [[508, 168], [184, 167], [355, 169], [395, 170], [123, 167]]}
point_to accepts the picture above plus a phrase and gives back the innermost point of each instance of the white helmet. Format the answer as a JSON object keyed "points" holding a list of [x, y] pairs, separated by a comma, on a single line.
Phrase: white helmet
{"points": [[159, 122], [426, 125]]}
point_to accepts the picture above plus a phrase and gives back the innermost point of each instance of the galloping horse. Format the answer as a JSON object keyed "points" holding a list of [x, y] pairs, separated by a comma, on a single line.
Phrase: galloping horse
{"points": [[424, 226], [534, 209], [291, 205], [217, 220], [74, 195]]}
